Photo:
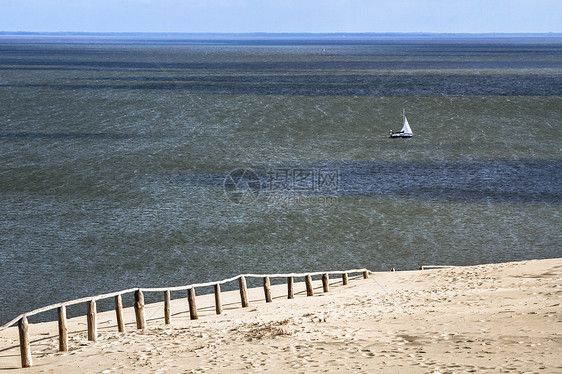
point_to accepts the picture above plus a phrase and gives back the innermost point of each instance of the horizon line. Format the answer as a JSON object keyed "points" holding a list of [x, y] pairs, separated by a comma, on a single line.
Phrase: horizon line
{"points": [[273, 34]]}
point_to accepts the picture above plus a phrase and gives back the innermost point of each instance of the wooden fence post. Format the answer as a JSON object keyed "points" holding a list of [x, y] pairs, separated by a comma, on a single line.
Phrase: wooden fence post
{"points": [[191, 302], [309, 289], [139, 309], [119, 313], [366, 274], [267, 289], [344, 279], [63, 329], [92, 320], [325, 282], [290, 288], [218, 302], [25, 347], [243, 291], [167, 307]]}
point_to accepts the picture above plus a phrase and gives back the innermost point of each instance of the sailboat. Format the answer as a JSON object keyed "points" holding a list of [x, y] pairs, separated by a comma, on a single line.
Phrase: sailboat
{"points": [[406, 131]]}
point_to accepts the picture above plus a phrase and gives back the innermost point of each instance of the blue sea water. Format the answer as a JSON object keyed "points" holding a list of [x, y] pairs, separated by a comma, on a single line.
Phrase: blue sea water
{"points": [[116, 153]]}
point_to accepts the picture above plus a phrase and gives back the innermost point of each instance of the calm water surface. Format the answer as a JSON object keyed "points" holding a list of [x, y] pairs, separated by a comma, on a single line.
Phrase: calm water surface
{"points": [[114, 154]]}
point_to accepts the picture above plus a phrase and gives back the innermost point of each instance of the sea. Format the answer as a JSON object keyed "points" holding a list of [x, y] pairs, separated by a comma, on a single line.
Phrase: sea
{"points": [[164, 160]]}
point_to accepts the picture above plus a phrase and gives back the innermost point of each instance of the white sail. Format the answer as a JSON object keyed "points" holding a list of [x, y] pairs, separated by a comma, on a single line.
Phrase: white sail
{"points": [[406, 128]]}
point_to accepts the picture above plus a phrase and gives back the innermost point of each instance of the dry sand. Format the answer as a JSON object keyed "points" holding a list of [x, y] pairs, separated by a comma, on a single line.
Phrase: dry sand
{"points": [[491, 318]]}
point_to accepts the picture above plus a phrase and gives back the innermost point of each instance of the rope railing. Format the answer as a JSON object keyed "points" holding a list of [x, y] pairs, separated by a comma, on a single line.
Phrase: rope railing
{"points": [[162, 289], [91, 314], [208, 284], [66, 303]]}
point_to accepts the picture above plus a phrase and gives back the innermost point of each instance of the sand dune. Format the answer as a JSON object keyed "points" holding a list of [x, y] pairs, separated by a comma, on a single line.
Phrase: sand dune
{"points": [[489, 318]]}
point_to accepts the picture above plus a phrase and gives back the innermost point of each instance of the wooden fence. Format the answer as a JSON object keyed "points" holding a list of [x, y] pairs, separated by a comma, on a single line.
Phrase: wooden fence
{"points": [[91, 312]]}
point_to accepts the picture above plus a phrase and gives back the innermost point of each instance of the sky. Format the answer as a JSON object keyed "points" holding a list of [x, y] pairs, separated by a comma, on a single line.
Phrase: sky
{"points": [[274, 16]]}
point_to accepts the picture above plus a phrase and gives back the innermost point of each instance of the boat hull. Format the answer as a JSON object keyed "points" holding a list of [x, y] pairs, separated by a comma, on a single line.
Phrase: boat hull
{"points": [[395, 136]]}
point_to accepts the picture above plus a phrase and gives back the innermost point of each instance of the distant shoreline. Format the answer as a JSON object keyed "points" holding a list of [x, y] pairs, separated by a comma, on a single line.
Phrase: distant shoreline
{"points": [[287, 36]]}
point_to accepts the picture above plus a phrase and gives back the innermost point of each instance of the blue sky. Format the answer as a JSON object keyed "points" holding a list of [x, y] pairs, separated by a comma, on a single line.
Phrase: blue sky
{"points": [[449, 16]]}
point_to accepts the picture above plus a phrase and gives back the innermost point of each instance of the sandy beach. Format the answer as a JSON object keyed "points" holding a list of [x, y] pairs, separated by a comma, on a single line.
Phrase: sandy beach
{"points": [[490, 318]]}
